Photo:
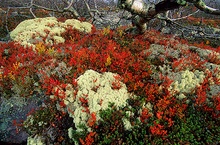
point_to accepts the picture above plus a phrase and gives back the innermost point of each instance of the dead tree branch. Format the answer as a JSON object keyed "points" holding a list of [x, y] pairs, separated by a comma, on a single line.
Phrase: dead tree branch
{"points": [[145, 12]]}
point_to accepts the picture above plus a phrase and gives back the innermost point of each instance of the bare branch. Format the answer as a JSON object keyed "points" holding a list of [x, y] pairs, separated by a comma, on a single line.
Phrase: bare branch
{"points": [[7, 13], [200, 4], [31, 9], [184, 16], [88, 8], [195, 32], [70, 4], [71, 8]]}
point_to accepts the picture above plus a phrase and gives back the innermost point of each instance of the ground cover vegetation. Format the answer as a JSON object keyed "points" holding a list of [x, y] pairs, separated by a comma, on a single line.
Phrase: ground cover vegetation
{"points": [[166, 90], [154, 112]]}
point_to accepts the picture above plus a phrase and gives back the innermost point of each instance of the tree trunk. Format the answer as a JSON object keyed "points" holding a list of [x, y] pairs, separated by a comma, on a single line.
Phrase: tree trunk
{"points": [[145, 12]]}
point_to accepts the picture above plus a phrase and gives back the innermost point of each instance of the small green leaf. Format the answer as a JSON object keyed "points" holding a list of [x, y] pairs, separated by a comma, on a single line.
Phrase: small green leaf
{"points": [[181, 2]]}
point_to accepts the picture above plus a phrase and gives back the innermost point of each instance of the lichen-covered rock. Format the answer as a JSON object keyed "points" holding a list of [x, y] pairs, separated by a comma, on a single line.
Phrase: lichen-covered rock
{"points": [[13, 111], [48, 30]]}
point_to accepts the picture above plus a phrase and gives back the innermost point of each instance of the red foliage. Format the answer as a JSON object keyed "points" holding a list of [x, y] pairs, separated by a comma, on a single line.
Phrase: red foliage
{"points": [[201, 95], [83, 100], [92, 120], [207, 47], [191, 61], [145, 115], [62, 104], [116, 85], [18, 125], [89, 139], [201, 98], [123, 55], [213, 58], [158, 130], [30, 112]]}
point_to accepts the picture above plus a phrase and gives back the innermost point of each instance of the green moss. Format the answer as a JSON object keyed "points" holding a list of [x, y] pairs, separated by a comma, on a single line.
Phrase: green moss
{"points": [[181, 2]]}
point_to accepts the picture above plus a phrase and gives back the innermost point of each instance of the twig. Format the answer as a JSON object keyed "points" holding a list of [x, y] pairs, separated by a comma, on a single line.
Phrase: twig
{"points": [[6, 26], [70, 4], [31, 9], [184, 16]]}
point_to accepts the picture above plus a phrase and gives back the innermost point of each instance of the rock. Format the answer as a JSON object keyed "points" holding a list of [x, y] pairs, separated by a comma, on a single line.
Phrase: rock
{"points": [[13, 111]]}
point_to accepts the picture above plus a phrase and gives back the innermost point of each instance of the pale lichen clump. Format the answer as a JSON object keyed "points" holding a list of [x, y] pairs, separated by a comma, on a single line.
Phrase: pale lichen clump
{"points": [[47, 30], [98, 90], [94, 93], [36, 140], [187, 82]]}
